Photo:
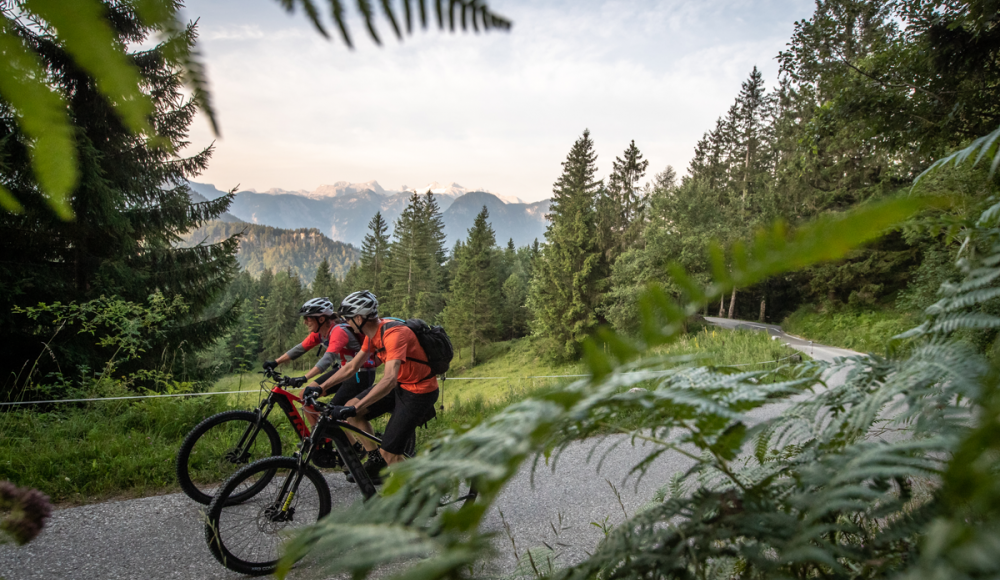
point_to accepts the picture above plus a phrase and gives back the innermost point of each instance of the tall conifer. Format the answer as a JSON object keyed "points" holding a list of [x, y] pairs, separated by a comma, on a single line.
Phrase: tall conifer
{"points": [[131, 205], [474, 312], [568, 276], [374, 250], [416, 260]]}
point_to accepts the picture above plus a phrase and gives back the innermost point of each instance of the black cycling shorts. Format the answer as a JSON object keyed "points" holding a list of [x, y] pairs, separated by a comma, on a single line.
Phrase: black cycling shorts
{"points": [[409, 411], [353, 386]]}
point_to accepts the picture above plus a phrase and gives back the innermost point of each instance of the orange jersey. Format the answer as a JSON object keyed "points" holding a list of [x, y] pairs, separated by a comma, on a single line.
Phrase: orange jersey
{"points": [[399, 343]]}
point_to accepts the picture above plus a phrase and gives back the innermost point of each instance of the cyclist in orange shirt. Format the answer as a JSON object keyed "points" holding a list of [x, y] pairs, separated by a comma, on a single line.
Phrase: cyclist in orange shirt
{"points": [[411, 404]]}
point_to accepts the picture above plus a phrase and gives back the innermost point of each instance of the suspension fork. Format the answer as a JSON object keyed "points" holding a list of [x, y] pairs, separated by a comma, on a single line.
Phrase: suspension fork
{"points": [[283, 503]]}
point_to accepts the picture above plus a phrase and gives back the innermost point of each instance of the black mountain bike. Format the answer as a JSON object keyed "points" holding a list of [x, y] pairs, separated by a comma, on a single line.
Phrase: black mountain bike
{"points": [[258, 506], [224, 443]]}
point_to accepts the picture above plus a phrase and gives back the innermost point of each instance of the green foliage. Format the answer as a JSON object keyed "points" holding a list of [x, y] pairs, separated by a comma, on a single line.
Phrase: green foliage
{"points": [[131, 202], [124, 329], [621, 204], [472, 12]]}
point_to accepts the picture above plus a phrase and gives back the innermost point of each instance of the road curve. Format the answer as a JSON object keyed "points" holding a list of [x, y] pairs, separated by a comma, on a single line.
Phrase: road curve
{"points": [[162, 537]]}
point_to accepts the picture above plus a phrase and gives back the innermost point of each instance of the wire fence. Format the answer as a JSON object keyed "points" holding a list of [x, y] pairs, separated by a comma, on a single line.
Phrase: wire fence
{"points": [[251, 391]]}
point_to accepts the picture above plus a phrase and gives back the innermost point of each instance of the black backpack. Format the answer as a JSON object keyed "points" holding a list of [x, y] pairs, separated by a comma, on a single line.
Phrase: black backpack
{"points": [[433, 339]]}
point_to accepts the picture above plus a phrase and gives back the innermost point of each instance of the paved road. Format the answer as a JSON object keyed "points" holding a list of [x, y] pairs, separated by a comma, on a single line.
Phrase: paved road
{"points": [[162, 537], [816, 351]]}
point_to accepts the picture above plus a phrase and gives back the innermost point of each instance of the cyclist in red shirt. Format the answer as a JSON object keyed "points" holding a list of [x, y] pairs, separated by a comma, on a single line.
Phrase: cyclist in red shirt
{"points": [[412, 404], [319, 317], [339, 341]]}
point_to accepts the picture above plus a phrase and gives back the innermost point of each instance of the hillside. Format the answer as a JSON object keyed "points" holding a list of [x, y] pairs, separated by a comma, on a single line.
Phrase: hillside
{"points": [[264, 247], [342, 211]]}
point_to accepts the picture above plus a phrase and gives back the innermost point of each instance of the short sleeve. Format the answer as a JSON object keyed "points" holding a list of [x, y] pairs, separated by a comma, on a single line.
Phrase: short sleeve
{"points": [[311, 341], [338, 340]]}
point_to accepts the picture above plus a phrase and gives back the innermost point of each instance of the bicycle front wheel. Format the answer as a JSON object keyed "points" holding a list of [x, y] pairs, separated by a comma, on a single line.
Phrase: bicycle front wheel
{"points": [[218, 447], [246, 537]]}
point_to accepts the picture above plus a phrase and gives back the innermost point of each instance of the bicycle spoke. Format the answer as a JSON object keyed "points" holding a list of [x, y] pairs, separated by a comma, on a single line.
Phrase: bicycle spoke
{"points": [[217, 454]]}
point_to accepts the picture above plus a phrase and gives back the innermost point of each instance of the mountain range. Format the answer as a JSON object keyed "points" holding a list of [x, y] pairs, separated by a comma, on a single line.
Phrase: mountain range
{"points": [[342, 210]]}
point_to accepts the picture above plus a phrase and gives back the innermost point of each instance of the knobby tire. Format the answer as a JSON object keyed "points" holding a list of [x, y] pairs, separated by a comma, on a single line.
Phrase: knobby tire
{"points": [[271, 447]]}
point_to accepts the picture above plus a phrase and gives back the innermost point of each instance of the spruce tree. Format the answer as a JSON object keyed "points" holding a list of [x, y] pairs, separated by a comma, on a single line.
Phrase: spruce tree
{"points": [[374, 250], [131, 207], [404, 265], [323, 283], [620, 207], [568, 275], [279, 319], [416, 260], [473, 314]]}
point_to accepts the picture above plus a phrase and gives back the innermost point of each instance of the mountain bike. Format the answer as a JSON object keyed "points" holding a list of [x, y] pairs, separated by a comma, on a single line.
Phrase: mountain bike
{"points": [[278, 495], [228, 441]]}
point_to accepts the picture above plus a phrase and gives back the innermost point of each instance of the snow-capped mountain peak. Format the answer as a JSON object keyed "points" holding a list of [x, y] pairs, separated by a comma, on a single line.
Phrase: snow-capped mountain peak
{"points": [[346, 188]]}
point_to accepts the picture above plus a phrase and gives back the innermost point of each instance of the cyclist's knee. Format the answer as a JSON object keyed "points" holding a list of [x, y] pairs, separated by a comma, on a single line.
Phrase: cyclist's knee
{"points": [[391, 458]]}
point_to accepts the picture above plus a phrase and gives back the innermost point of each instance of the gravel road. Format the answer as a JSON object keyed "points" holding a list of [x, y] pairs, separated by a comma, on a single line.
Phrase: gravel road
{"points": [[162, 537]]}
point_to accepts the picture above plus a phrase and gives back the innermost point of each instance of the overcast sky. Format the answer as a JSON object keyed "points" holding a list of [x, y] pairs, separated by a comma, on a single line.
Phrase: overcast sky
{"points": [[496, 111]]}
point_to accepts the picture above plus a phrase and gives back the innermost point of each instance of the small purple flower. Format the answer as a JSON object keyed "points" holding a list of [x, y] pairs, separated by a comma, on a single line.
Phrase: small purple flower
{"points": [[23, 511]]}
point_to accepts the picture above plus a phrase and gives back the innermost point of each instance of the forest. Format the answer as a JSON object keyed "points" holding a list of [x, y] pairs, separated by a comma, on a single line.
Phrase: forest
{"points": [[844, 125]]}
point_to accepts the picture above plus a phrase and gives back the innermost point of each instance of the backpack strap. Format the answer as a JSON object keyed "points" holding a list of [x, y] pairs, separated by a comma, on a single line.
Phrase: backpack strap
{"points": [[394, 324]]}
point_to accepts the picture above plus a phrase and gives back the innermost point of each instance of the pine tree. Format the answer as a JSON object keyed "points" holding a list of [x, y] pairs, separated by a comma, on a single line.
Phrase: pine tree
{"points": [[568, 277], [473, 314], [131, 204], [374, 250]]}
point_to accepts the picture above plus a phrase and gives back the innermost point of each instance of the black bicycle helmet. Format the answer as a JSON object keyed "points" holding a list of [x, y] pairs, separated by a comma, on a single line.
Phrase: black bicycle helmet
{"points": [[318, 307], [362, 303]]}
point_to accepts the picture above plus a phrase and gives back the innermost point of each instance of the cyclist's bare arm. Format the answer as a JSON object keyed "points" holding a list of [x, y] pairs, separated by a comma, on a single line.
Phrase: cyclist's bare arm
{"points": [[352, 366], [384, 386]]}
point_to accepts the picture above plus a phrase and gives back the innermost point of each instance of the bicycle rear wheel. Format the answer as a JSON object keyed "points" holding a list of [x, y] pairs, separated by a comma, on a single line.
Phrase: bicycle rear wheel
{"points": [[218, 447], [246, 537]]}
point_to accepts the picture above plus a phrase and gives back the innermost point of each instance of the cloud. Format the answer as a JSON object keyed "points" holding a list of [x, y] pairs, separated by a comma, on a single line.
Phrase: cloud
{"points": [[239, 32]]}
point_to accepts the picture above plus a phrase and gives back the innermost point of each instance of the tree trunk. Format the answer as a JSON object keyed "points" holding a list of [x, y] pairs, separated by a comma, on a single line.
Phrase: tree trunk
{"points": [[763, 303], [732, 303], [722, 306], [473, 352]]}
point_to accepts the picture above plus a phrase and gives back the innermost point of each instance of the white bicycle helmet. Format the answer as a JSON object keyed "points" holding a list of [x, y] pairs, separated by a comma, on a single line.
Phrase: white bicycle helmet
{"points": [[362, 303], [318, 307]]}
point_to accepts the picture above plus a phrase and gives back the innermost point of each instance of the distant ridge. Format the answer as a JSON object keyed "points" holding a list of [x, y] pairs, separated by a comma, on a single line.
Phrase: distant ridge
{"points": [[299, 251], [342, 210]]}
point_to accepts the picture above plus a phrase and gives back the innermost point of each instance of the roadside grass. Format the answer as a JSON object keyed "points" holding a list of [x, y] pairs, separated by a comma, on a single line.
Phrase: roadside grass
{"points": [[468, 402], [868, 331], [85, 453]]}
